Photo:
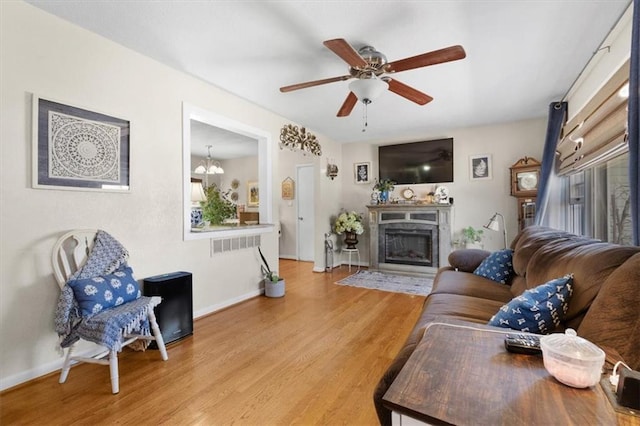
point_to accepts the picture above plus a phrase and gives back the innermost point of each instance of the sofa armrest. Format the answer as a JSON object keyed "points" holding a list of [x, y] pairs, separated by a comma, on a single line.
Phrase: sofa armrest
{"points": [[467, 260]]}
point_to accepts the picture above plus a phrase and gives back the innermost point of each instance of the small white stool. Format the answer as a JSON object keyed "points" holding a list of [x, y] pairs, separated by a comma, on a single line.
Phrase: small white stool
{"points": [[351, 252]]}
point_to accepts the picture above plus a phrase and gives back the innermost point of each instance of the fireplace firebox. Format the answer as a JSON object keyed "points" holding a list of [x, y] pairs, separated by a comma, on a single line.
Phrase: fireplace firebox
{"points": [[408, 244]]}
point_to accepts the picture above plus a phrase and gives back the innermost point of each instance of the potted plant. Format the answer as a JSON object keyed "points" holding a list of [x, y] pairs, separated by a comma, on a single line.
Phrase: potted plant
{"points": [[384, 186], [273, 284], [472, 238], [350, 224], [218, 206]]}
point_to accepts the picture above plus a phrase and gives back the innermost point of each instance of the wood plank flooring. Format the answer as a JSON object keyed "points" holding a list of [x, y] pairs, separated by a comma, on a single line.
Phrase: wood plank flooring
{"points": [[310, 358]]}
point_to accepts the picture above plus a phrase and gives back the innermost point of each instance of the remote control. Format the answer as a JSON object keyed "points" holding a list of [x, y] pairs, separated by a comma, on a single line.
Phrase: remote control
{"points": [[528, 344]]}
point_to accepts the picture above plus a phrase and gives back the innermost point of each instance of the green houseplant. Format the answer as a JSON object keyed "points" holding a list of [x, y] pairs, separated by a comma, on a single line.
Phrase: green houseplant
{"points": [[384, 186], [471, 237], [273, 284], [217, 207]]}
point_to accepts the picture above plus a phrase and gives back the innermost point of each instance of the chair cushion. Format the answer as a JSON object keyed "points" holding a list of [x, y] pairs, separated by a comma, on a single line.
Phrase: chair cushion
{"points": [[537, 310], [106, 291], [497, 267]]}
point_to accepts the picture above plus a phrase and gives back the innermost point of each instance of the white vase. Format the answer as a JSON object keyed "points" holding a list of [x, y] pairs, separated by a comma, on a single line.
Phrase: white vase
{"points": [[272, 289]]}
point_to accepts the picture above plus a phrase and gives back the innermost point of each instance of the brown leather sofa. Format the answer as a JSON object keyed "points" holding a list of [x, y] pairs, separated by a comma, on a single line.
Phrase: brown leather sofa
{"points": [[604, 307]]}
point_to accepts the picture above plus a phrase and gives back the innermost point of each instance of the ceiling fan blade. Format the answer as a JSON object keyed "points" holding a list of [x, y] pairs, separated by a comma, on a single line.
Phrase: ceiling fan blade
{"points": [[452, 53], [340, 47], [408, 92], [313, 83], [348, 105]]}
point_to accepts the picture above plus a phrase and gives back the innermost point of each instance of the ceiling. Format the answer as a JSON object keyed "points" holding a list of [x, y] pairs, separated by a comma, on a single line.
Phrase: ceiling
{"points": [[521, 55]]}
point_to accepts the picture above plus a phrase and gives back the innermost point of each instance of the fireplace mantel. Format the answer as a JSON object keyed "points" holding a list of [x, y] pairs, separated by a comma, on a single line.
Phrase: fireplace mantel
{"points": [[438, 216]]}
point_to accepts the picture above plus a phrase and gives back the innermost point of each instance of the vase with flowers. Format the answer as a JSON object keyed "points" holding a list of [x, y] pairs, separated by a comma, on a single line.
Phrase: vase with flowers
{"points": [[350, 224], [384, 186]]}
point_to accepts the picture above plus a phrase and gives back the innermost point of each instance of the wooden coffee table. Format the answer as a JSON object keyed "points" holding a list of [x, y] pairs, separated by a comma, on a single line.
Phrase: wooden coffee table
{"points": [[466, 377]]}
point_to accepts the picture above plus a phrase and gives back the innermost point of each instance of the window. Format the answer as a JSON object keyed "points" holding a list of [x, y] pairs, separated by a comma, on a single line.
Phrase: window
{"points": [[598, 201], [191, 113]]}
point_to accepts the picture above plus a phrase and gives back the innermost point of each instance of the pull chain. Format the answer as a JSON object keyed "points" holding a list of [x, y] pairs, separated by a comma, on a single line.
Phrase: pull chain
{"points": [[364, 117]]}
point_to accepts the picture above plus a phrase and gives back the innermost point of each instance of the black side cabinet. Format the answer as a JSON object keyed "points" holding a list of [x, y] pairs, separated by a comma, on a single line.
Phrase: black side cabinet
{"points": [[175, 313]]}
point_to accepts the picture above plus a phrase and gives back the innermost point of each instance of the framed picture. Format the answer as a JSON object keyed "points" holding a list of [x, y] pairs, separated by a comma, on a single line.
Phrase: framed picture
{"points": [[253, 195], [77, 149], [288, 186], [480, 167], [362, 172]]}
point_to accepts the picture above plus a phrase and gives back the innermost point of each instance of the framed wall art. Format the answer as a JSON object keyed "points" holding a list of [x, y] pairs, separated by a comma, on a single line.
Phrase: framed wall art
{"points": [[362, 172], [253, 195], [77, 149], [480, 167], [288, 189]]}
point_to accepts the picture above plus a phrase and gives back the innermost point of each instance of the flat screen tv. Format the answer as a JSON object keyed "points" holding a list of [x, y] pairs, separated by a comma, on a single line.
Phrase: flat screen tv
{"points": [[417, 162]]}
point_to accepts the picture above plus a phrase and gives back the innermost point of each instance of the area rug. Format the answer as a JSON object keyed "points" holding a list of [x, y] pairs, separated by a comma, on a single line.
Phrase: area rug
{"points": [[384, 281]]}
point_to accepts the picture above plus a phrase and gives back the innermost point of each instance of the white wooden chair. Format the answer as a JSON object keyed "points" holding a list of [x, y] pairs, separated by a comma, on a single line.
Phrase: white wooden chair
{"points": [[69, 254]]}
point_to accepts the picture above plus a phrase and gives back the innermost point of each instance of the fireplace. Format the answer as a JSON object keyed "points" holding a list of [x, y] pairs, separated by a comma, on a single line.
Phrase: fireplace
{"points": [[410, 238], [408, 244]]}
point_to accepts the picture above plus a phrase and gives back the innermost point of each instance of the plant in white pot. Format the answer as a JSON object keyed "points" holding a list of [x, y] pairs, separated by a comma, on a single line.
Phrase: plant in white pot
{"points": [[472, 237], [273, 284]]}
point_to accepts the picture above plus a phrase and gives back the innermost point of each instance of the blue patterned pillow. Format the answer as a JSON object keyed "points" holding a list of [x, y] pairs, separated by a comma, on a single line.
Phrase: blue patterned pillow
{"points": [[537, 310], [103, 292], [498, 266]]}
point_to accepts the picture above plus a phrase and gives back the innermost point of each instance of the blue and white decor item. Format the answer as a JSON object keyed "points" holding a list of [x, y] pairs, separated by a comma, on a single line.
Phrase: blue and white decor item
{"points": [[537, 310], [498, 267], [105, 291]]}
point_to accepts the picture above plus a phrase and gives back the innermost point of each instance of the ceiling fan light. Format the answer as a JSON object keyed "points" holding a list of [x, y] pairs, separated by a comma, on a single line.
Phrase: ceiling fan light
{"points": [[369, 89]]}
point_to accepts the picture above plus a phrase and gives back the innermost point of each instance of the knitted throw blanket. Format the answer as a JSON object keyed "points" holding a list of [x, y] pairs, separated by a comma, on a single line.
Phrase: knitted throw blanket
{"points": [[108, 327]]}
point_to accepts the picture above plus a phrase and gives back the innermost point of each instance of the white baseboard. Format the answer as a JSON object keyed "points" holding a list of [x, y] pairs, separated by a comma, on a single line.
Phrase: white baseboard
{"points": [[287, 256], [230, 302], [41, 370]]}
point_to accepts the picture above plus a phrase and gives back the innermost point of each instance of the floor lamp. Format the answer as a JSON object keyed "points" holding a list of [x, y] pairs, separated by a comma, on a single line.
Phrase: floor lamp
{"points": [[495, 226]]}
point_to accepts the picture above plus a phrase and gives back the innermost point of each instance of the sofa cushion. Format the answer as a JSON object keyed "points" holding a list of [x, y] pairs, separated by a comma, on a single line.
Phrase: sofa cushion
{"points": [[497, 267], [533, 238], [103, 292], [591, 264], [464, 283], [537, 310], [461, 307], [613, 320], [467, 260]]}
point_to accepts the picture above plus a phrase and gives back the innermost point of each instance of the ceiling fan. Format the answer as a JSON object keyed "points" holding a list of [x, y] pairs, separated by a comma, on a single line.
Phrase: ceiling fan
{"points": [[370, 68]]}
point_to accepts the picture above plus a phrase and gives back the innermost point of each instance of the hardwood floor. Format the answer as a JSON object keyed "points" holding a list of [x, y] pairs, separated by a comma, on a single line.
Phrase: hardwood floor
{"points": [[312, 357]]}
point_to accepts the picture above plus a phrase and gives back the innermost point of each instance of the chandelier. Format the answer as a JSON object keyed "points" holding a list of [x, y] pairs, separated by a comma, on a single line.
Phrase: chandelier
{"points": [[209, 166], [299, 140]]}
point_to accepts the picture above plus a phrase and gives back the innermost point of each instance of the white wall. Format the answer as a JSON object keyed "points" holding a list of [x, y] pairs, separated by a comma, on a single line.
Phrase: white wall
{"points": [[474, 201], [328, 194], [47, 56]]}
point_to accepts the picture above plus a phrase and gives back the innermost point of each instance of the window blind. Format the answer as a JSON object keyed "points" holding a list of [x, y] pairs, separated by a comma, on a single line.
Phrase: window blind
{"points": [[598, 132]]}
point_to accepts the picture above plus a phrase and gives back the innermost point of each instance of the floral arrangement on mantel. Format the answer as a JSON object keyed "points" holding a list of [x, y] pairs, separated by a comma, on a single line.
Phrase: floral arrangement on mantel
{"points": [[348, 222], [384, 185]]}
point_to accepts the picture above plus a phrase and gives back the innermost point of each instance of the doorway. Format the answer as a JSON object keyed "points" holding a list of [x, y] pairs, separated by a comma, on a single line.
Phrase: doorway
{"points": [[305, 213]]}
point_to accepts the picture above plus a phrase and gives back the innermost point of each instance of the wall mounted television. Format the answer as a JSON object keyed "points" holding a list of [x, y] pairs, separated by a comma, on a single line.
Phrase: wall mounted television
{"points": [[417, 162]]}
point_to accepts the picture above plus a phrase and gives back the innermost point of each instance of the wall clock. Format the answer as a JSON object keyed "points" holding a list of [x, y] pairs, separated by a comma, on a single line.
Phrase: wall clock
{"points": [[408, 194], [525, 177]]}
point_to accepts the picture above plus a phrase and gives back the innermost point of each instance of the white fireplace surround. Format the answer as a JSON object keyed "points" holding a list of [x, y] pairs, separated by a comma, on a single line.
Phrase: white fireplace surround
{"points": [[438, 216]]}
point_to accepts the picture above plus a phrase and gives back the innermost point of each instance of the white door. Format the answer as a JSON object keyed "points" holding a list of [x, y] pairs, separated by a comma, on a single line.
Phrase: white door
{"points": [[306, 218]]}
